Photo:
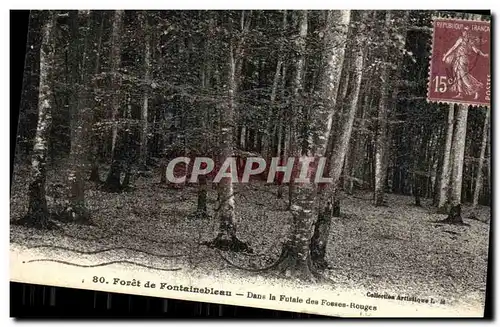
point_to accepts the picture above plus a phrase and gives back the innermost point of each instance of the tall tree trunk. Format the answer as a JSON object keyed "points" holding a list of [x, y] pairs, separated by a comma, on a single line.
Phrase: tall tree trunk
{"points": [[488, 166], [298, 259], [113, 183], [38, 214], [381, 131], [479, 175], [145, 100], [266, 142], [243, 134], [225, 191], [439, 165], [202, 210], [361, 137], [29, 97], [76, 210], [226, 238], [335, 39], [340, 110], [446, 170], [298, 88], [282, 136], [115, 79], [419, 163], [96, 140], [457, 164], [329, 203], [401, 23], [348, 167]]}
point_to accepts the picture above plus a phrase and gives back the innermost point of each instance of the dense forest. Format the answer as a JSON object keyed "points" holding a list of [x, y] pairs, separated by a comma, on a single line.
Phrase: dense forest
{"points": [[110, 97]]}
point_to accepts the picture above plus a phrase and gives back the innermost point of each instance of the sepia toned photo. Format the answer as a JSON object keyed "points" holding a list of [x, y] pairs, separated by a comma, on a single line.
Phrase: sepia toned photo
{"points": [[331, 162]]}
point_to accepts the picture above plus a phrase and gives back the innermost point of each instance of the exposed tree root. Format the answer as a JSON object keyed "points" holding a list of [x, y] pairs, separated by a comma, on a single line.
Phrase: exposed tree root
{"points": [[474, 217], [116, 188], [442, 210], [321, 265], [113, 188], [94, 176], [232, 244], [384, 204], [287, 265], [452, 222], [77, 215], [198, 215], [273, 265], [38, 221], [292, 267], [282, 266], [454, 216]]}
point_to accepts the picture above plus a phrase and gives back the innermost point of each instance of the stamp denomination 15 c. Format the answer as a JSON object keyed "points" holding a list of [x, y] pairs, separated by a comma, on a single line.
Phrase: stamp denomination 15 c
{"points": [[460, 62]]}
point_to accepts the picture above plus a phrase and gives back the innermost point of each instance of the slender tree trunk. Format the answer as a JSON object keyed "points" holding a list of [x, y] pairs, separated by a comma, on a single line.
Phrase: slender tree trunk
{"points": [[446, 171], [348, 168], [298, 88], [340, 110], [277, 74], [226, 238], [381, 132], [332, 207], [329, 203], [29, 97], [295, 253], [419, 160], [96, 140], [488, 166], [225, 191], [454, 215], [38, 214], [113, 183], [145, 100], [298, 259], [282, 150], [401, 21], [416, 181], [335, 121], [202, 210], [358, 138], [115, 79], [278, 126], [360, 141], [479, 175], [439, 166], [243, 134], [80, 115], [163, 172]]}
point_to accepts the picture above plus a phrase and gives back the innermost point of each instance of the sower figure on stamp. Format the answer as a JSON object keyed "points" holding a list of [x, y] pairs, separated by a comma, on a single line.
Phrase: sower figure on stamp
{"points": [[457, 56]]}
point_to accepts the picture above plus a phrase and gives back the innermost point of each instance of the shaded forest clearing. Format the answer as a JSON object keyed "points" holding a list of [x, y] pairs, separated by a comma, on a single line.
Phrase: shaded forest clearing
{"points": [[395, 247]]}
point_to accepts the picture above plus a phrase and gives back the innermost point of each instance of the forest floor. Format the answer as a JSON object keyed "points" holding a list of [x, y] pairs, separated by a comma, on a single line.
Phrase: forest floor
{"points": [[394, 248]]}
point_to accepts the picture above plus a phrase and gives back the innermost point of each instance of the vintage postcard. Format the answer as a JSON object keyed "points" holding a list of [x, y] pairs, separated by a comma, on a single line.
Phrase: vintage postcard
{"points": [[333, 162]]}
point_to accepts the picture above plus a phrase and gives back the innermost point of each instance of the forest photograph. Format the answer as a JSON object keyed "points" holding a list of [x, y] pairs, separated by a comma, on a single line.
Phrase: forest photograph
{"points": [[324, 151]]}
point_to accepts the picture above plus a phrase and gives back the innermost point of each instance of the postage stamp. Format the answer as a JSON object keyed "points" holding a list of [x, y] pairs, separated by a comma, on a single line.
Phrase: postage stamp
{"points": [[460, 69]]}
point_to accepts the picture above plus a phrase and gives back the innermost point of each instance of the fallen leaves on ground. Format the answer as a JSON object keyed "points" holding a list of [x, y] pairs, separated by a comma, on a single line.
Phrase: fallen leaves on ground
{"points": [[396, 248]]}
